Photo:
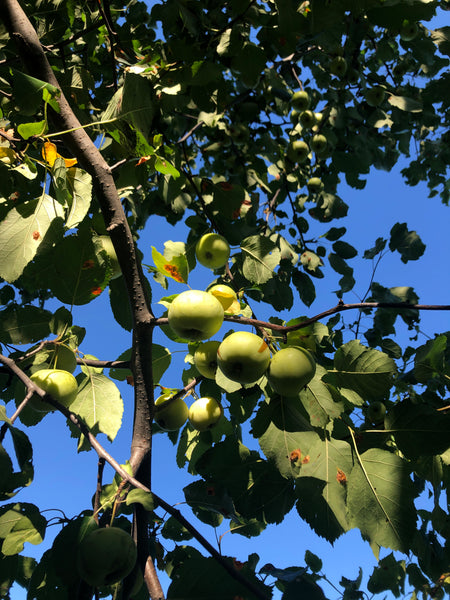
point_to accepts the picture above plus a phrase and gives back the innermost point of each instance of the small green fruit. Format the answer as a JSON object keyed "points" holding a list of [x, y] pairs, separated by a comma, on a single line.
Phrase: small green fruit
{"points": [[319, 144], [298, 151], [195, 315], [243, 357], [375, 95], [338, 66], [300, 100], [307, 119], [205, 359], [106, 556], [205, 413], [173, 416], [61, 385], [290, 370], [212, 251], [314, 185], [408, 30], [376, 411]]}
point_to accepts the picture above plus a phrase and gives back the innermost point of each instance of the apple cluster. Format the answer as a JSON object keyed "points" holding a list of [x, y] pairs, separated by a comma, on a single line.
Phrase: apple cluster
{"points": [[242, 357]]}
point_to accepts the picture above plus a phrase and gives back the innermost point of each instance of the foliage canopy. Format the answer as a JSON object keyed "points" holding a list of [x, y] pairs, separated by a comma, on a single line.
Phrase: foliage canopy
{"points": [[113, 113]]}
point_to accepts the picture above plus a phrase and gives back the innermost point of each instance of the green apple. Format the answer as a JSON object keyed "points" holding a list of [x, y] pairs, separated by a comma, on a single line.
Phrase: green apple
{"points": [[205, 413], [290, 369], [61, 385], [224, 294], [408, 30], [108, 247], [314, 185], [338, 66], [63, 358], [319, 143], [106, 556], [298, 151], [195, 315], [300, 100], [307, 119], [375, 95], [243, 357], [376, 411], [173, 416], [205, 359], [212, 250]]}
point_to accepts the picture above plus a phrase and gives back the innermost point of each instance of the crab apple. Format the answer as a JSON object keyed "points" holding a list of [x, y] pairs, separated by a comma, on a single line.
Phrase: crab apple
{"points": [[106, 556], [174, 415], [338, 66], [243, 357], [314, 185], [205, 359], [195, 315], [298, 151], [307, 119], [60, 384], [108, 247], [224, 294], [375, 95], [205, 413], [212, 250], [408, 30], [300, 100], [290, 369], [319, 143]]}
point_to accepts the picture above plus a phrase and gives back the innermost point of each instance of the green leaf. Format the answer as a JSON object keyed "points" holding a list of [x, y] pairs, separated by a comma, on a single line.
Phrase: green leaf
{"points": [[173, 530], [405, 104], [380, 500], [261, 256], [27, 130], [389, 574], [29, 92], [408, 243], [12, 481], [20, 523], [99, 404], [141, 497], [430, 359], [79, 185], [305, 287], [138, 101], [65, 548], [418, 429], [367, 371], [176, 268], [22, 232], [319, 402], [24, 324]]}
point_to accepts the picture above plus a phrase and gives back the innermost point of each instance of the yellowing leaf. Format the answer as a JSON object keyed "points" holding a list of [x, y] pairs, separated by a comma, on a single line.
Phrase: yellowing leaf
{"points": [[49, 154]]}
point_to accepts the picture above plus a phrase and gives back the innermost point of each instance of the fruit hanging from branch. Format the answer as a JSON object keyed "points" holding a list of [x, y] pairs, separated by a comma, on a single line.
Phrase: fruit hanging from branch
{"points": [[290, 369], [174, 415], [205, 413], [106, 556], [243, 357], [195, 315], [60, 384], [212, 250], [205, 359]]}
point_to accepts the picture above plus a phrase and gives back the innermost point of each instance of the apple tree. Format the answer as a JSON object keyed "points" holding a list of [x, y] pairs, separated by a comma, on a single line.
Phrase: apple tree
{"points": [[242, 121]]}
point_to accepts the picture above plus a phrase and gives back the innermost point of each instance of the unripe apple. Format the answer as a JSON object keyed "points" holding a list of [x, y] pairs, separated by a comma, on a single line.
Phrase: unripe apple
{"points": [[108, 247], [307, 119], [205, 359], [63, 358], [408, 30], [106, 556], [300, 100], [290, 369], [174, 415], [375, 95], [319, 143], [376, 411], [224, 294], [314, 185], [298, 151], [338, 66], [212, 250], [205, 413], [243, 357], [195, 315], [61, 385]]}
